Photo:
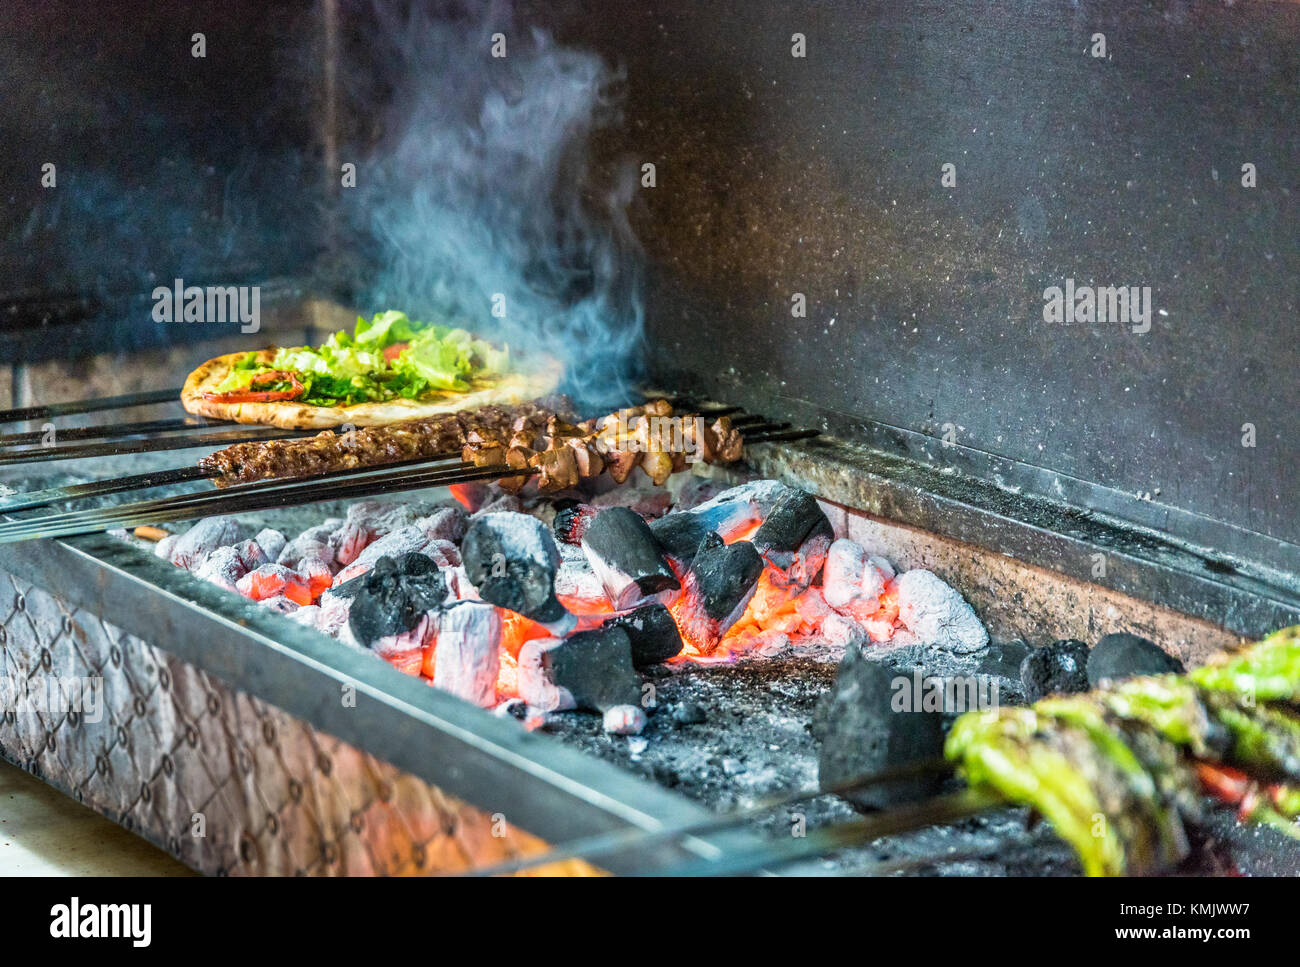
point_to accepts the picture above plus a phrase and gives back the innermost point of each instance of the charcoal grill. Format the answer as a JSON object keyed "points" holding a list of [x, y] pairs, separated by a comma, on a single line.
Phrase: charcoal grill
{"points": [[1068, 481]]}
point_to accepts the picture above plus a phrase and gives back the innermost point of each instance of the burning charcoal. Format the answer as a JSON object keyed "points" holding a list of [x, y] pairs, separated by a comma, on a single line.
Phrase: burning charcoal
{"points": [[718, 588], [310, 615], [404, 540], [851, 583], [251, 554], [1124, 655], [445, 524], [937, 615], [334, 609], [749, 503], [392, 596], [862, 734], [812, 608], [308, 544], [842, 631], [405, 650], [279, 603], [271, 542], [458, 585], [795, 518], [795, 538], [623, 720], [571, 520], [1061, 668], [473, 495], [591, 670], [512, 559], [204, 538], [368, 521], [626, 557], [468, 653], [770, 643], [164, 547], [271, 580], [443, 553], [652, 632], [223, 567], [579, 589], [681, 534], [316, 575]]}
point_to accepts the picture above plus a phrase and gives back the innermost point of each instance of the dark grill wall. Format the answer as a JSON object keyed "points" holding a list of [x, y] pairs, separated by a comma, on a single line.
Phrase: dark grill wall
{"points": [[168, 166], [777, 175], [821, 176]]}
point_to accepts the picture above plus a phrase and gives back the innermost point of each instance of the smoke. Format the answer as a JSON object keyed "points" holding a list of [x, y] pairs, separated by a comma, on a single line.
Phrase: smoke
{"points": [[478, 201]]}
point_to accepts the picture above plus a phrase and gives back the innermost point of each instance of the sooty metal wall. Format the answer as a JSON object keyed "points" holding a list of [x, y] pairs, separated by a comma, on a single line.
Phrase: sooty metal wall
{"points": [[778, 175], [821, 175]]}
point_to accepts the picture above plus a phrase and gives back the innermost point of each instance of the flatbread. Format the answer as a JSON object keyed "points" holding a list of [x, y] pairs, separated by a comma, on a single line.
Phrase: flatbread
{"points": [[292, 415]]}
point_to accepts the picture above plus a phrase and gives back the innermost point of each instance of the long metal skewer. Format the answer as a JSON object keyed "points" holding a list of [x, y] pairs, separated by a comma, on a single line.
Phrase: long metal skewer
{"points": [[606, 843], [147, 445], [854, 832], [282, 494], [33, 499], [103, 431], [255, 496], [24, 413]]}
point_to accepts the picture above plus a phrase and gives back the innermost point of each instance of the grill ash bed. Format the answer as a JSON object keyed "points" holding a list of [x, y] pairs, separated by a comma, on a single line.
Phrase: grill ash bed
{"points": [[638, 680]]}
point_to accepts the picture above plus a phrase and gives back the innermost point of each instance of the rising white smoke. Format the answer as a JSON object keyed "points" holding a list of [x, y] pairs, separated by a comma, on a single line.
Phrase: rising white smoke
{"points": [[479, 190]]}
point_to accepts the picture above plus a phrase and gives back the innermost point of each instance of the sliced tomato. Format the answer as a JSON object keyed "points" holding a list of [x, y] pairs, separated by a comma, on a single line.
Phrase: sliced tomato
{"points": [[1228, 784], [254, 395], [392, 352]]}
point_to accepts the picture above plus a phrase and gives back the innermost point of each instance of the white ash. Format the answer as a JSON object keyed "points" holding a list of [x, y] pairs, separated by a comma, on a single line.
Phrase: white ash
{"points": [[279, 604], [853, 581], [401, 541], [445, 524], [935, 614], [623, 720], [523, 534], [370, 520], [223, 567], [648, 502], [165, 546], [467, 657], [500, 504], [535, 684], [271, 541], [406, 642], [204, 538]]}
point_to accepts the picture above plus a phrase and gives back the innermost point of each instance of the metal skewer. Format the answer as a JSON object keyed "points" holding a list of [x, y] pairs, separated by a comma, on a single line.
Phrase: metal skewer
{"points": [[111, 430], [603, 844], [101, 488], [237, 500], [148, 445], [148, 398], [855, 832]]}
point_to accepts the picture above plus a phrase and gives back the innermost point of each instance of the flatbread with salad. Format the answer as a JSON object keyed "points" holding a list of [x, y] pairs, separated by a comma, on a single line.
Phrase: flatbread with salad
{"points": [[390, 368]]}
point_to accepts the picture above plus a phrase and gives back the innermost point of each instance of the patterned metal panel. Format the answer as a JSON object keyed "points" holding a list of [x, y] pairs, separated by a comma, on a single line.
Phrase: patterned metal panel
{"points": [[224, 782]]}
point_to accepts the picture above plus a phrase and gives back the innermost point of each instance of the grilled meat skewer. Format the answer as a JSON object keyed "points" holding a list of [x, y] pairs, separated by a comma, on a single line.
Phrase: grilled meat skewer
{"points": [[374, 446]]}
